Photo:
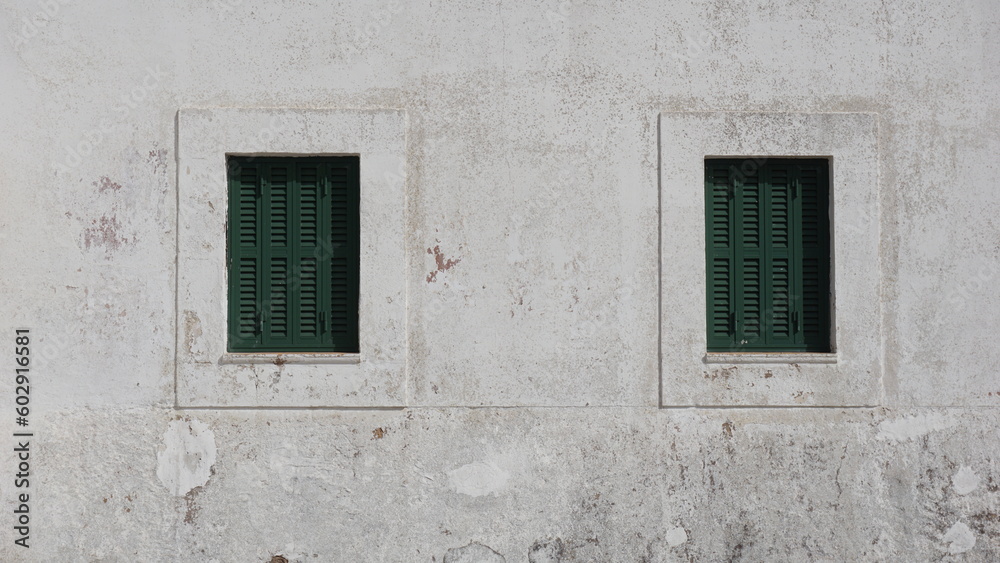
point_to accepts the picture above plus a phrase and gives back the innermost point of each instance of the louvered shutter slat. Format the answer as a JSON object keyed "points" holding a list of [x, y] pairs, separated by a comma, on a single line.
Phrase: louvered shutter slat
{"points": [[246, 298], [719, 221], [307, 256], [276, 188], [278, 283], [779, 256]]}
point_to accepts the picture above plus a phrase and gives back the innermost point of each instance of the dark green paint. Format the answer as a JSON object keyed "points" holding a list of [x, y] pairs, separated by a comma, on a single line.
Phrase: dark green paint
{"points": [[768, 254], [294, 254]]}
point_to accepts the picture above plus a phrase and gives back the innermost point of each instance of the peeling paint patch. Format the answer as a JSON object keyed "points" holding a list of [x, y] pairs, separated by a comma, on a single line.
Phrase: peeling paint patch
{"points": [[473, 553], [676, 537], [959, 538], [910, 427], [158, 158], [441, 263], [193, 334], [292, 469], [192, 506], [965, 481], [802, 397], [104, 232], [727, 428], [724, 373], [105, 184], [478, 479], [185, 459], [546, 551]]}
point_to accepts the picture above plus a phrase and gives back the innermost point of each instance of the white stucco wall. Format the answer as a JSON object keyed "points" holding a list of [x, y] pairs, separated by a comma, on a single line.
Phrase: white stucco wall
{"points": [[529, 412]]}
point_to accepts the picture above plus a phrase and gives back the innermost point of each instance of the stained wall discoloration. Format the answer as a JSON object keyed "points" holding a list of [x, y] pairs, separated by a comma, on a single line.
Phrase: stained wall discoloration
{"points": [[190, 501], [105, 232], [186, 456], [158, 160], [105, 184], [547, 551], [192, 333], [478, 479], [441, 263], [834, 489]]}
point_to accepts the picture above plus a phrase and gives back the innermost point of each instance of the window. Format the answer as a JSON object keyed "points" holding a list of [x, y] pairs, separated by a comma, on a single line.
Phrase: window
{"points": [[210, 371], [293, 255], [768, 254], [695, 371]]}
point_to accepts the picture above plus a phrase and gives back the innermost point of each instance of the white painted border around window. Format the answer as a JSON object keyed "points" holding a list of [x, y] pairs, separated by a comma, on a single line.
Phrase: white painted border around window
{"points": [[207, 375], [690, 376]]}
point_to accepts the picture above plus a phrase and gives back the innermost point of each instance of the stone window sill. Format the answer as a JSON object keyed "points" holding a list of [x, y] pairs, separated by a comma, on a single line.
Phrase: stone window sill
{"points": [[294, 358], [770, 358]]}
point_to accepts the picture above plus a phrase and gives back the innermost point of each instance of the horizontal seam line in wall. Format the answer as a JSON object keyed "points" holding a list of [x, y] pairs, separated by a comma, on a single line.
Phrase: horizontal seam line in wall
{"points": [[284, 408], [592, 407], [744, 407]]}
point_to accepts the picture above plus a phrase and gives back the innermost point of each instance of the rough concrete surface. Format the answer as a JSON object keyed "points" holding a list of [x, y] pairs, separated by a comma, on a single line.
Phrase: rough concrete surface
{"points": [[511, 405], [598, 484]]}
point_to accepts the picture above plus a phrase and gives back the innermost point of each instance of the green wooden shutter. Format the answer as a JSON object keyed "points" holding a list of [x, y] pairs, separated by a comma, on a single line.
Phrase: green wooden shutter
{"points": [[749, 283], [244, 255], [308, 301], [768, 255], [294, 254], [779, 256], [278, 274], [345, 250], [812, 207]]}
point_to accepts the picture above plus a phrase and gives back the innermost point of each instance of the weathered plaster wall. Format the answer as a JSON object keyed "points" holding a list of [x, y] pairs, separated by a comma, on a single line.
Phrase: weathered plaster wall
{"points": [[532, 226]]}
